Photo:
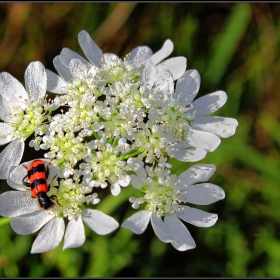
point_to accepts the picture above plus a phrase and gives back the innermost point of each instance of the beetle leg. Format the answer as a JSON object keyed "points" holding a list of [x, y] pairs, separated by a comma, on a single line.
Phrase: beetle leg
{"points": [[48, 170], [25, 167], [51, 182], [25, 183], [54, 199]]}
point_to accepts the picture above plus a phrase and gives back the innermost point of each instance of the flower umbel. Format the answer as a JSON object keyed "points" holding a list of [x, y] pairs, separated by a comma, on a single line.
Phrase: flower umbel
{"points": [[166, 198], [120, 121]]}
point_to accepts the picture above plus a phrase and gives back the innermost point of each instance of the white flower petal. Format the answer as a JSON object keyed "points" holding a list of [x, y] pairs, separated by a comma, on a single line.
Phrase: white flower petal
{"points": [[175, 65], [139, 55], [163, 84], [30, 223], [99, 222], [201, 139], [197, 217], [5, 133], [54, 83], [195, 174], [187, 87], [208, 103], [109, 57], [164, 52], [14, 179], [16, 203], [11, 89], [49, 237], [184, 152], [91, 50], [66, 55], [138, 222], [77, 68], [10, 156], [75, 234], [115, 189], [222, 127], [124, 180], [5, 110], [160, 229], [35, 78], [149, 76], [180, 233], [61, 69], [204, 194], [9, 108]]}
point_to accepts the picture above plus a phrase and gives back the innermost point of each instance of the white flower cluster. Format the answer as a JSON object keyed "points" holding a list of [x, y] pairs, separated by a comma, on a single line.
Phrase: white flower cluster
{"points": [[118, 122]]}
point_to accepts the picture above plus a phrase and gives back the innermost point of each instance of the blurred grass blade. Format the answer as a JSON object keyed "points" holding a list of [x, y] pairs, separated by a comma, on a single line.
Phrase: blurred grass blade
{"points": [[225, 44], [270, 124], [4, 221]]}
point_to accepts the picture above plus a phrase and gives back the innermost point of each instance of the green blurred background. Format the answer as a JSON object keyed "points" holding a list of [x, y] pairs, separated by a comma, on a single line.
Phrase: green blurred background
{"points": [[235, 47]]}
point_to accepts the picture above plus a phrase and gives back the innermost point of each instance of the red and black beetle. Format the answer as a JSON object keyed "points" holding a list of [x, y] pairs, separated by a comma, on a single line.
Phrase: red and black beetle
{"points": [[37, 174]]}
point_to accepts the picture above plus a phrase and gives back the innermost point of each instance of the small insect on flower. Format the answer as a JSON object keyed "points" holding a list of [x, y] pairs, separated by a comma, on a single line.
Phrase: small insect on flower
{"points": [[37, 174]]}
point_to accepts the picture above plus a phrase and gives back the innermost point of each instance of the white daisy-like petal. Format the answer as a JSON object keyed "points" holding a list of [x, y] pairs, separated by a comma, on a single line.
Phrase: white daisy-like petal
{"points": [[160, 229], [201, 139], [180, 233], [138, 222], [75, 234], [195, 174], [4, 112], [10, 156], [139, 55], [77, 68], [49, 237], [61, 69], [54, 83], [30, 223], [115, 189], [204, 194], [187, 87], [99, 222], [5, 133], [163, 84], [91, 50], [223, 127], [197, 217], [208, 103], [35, 78], [109, 57], [66, 55], [185, 152], [164, 52], [176, 66], [149, 76], [12, 184], [16, 174], [16, 203], [11, 89]]}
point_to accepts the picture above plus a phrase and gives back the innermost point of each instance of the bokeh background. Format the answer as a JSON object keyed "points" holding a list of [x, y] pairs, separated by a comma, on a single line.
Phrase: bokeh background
{"points": [[235, 48]]}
